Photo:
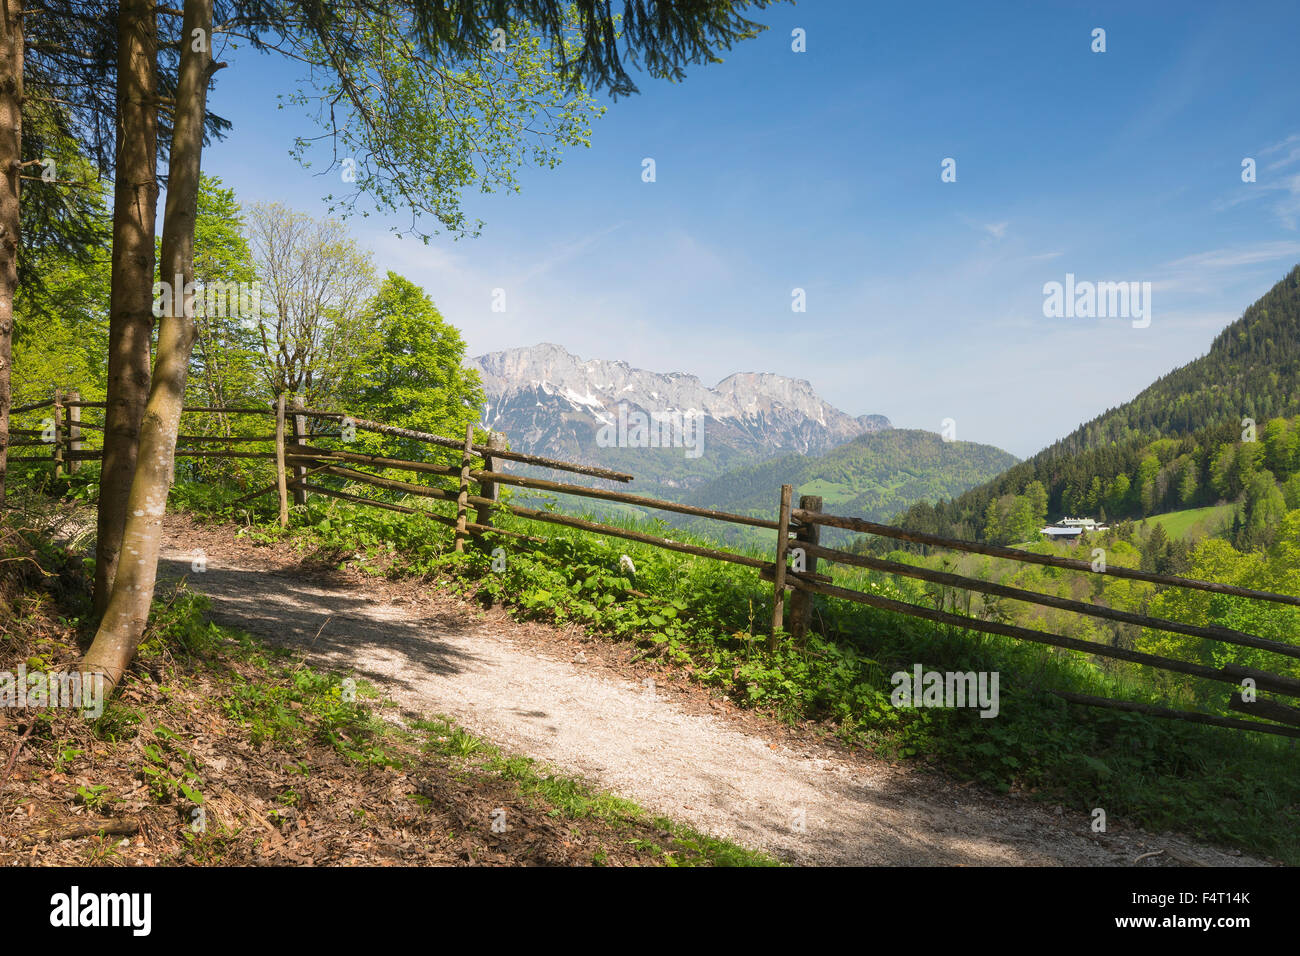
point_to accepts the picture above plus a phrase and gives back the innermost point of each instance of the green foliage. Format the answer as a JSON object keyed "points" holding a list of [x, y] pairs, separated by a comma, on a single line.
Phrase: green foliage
{"points": [[313, 705], [223, 369], [94, 796], [1013, 518], [412, 371], [64, 226], [316, 279], [1277, 569], [61, 329], [1264, 506], [169, 769], [873, 476], [118, 722], [418, 128]]}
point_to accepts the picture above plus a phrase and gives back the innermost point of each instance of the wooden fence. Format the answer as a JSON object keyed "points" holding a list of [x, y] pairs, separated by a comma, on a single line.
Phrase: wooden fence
{"points": [[808, 519], [797, 534]]}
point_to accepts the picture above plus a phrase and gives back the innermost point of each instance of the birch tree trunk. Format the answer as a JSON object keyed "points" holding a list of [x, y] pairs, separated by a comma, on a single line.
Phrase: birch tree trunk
{"points": [[130, 323], [11, 140], [128, 606]]}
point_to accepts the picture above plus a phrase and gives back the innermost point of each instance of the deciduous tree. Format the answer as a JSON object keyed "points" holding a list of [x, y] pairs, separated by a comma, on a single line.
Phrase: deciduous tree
{"points": [[414, 372], [315, 280]]}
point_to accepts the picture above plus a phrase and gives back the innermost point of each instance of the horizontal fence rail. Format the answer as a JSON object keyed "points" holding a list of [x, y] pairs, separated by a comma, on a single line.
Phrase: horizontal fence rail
{"points": [[66, 451], [1229, 673], [1028, 557], [1191, 716], [539, 484], [1277, 719], [20, 409], [301, 453], [431, 439], [1209, 632]]}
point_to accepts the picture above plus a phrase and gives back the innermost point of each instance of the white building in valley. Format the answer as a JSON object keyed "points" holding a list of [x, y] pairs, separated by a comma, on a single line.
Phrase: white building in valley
{"points": [[1071, 528]]}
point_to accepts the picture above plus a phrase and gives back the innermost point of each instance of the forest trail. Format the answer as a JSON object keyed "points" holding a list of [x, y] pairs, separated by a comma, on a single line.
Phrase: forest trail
{"points": [[669, 748]]}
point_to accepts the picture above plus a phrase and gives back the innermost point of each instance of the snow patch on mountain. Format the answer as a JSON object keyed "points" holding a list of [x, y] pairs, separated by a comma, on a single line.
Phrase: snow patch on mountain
{"points": [[550, 401]]}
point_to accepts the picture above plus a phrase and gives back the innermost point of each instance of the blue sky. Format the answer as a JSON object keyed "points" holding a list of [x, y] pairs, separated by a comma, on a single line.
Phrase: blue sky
{"points": [[821, 170]]}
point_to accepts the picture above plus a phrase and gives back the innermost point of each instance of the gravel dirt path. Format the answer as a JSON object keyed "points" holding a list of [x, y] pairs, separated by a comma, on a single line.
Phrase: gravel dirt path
{"points": [[668, 747]]}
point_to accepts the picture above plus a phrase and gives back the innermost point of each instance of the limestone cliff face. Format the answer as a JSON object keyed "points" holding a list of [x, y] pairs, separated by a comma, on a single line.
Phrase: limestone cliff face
{"points": [[549, 401]]}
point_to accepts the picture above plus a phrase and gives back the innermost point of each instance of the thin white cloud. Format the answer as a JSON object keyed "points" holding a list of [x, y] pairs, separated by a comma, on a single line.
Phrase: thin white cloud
{"points": [[1293, 138], [1235, 258], [1285, 161], [1284, 191], [564, 253], [1291, 143], [998, 230], [1287, 207]]}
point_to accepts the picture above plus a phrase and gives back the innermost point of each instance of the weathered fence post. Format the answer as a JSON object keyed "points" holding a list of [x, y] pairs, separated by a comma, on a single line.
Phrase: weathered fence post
{"points": [[778, 576], [57, 452], [73, 419], [488, 489], [281, 479], [299, 469], [800, 600], [462, 499]]}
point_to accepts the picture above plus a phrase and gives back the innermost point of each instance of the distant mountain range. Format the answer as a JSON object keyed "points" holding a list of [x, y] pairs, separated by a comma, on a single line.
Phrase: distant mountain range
{"points": [[758, 430], [762, 430], [551, 402]]}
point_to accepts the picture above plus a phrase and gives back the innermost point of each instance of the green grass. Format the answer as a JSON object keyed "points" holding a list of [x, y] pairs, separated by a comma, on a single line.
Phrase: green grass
{"points": [[832, 493], [1195, 522]]}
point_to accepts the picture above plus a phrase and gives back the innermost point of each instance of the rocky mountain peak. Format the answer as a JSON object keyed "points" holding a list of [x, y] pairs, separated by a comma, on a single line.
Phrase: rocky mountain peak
{"points": [[550, 401]]}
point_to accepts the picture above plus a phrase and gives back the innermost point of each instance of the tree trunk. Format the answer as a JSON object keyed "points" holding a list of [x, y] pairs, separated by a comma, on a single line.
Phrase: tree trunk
{"points": [[130, 323], [128, 607], [11, 140]]}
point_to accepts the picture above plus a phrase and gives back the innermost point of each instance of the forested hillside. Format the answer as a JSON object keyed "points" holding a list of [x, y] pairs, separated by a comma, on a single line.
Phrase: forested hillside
{"points": [[1201, 434], [1250, 371], [874, 475]]}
